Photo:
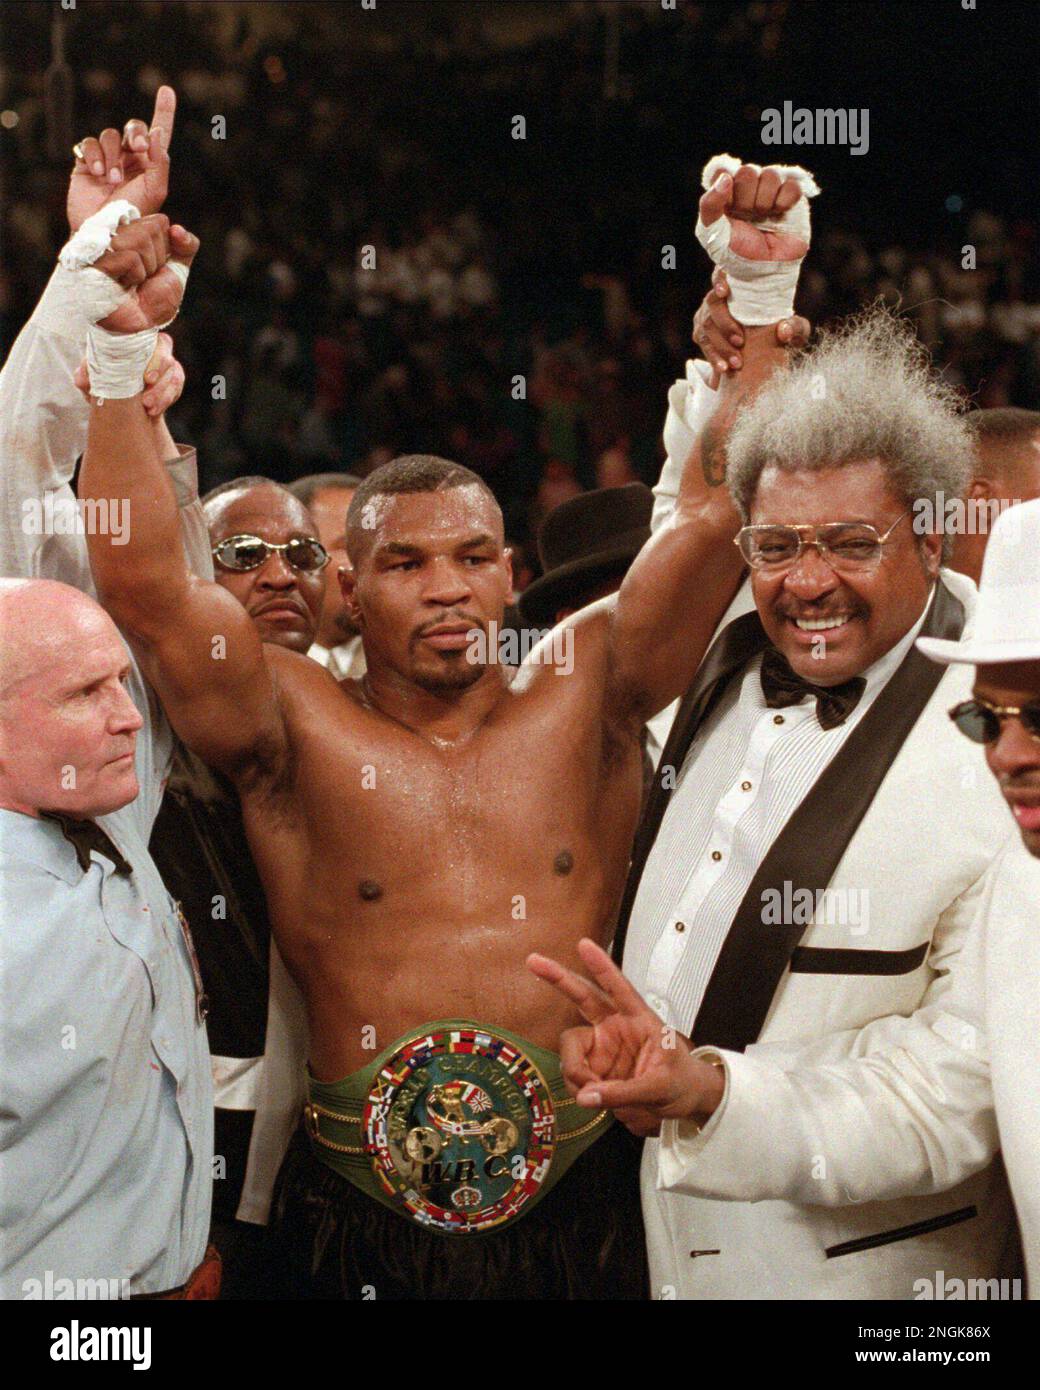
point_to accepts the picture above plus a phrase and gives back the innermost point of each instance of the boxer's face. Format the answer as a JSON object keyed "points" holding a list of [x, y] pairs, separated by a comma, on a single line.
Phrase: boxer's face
{"points": [[865, 613], [284, 603], [1014, 759], [431, 572], [79, 757]]}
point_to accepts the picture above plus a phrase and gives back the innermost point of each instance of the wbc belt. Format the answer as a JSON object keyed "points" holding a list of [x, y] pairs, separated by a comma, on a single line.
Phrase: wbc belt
{"points": [[458, 1127]]}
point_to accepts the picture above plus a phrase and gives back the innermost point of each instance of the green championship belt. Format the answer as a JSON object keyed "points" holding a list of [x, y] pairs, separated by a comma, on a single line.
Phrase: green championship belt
{"points": [[459, 1126]]}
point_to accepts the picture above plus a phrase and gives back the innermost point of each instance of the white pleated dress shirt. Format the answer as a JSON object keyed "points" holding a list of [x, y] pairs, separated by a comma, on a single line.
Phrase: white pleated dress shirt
{"points": [[747, 772]]}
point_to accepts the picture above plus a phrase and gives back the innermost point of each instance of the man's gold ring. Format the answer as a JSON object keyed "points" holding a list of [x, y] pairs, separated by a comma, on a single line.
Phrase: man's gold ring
{"points": [[77, 150]]}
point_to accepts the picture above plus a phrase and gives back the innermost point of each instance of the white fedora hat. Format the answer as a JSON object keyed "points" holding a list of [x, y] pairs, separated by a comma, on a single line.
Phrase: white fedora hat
{"points": [[1007, 620]]}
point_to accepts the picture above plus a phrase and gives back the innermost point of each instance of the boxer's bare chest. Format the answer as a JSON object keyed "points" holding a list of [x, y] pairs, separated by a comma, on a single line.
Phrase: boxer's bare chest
{"points": [[389, 850]]}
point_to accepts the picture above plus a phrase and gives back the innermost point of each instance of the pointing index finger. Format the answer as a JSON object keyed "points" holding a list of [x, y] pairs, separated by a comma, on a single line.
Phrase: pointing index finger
{"points": [[162, 116]]}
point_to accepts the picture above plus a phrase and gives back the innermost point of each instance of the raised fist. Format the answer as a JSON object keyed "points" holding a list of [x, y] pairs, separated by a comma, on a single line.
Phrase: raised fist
{"points": [[154, 301], [137, 250], [749, 197]]}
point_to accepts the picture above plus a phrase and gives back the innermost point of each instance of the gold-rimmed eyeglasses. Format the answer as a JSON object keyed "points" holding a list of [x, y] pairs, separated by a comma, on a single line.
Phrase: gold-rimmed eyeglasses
{"points": [[844, 545]]}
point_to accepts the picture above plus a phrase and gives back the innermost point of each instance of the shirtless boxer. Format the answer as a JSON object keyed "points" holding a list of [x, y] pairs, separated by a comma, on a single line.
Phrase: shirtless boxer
{"points": [[418, 833]]}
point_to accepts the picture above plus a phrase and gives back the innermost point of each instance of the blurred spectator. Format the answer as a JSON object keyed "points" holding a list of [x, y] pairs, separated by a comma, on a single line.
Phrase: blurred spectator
{"points": [[382, 263]]}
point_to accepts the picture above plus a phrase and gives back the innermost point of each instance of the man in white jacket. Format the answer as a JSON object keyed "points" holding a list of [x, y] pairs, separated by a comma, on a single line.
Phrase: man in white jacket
{"points": [[1003, 715], [812, 860]]}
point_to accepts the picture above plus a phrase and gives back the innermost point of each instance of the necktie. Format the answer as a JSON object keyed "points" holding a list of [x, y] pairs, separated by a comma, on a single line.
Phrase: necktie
{"points": [[85, 835], [782, 687]]}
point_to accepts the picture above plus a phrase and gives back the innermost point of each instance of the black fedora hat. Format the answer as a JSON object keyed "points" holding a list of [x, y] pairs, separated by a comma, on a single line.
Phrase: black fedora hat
{"points": [[586, 541]]}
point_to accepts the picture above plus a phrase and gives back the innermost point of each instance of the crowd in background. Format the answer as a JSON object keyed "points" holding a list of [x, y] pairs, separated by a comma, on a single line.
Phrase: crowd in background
{"points": [[491, 258]]}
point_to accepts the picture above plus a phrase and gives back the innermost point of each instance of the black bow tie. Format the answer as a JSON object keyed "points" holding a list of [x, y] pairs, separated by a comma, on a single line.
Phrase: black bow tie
{"points": [[782, 687], [85, 835]]}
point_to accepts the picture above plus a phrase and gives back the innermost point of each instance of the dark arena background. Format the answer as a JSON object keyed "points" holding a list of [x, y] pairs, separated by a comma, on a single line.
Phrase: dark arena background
{"points": [[465, 228], [542, 257]]}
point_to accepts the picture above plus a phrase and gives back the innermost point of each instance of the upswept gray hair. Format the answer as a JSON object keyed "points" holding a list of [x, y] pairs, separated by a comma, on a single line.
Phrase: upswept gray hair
{"points": [[866, 390]]}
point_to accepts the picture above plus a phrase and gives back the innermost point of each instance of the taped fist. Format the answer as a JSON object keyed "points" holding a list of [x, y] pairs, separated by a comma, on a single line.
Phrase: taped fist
{"points": [[747, 198], [136, 251], [155, 301]]}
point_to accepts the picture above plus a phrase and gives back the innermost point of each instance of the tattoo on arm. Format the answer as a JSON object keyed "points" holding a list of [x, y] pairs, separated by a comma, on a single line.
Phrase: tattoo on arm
{"points": [[713, 455]]}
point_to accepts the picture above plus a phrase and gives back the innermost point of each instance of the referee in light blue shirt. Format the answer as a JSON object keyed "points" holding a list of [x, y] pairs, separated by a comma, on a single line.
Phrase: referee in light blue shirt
{"points": [[105, 1099], [106, 1105]]}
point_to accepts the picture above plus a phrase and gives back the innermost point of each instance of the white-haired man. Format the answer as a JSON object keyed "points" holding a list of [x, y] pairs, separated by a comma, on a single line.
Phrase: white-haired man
{"points": [[808, 867]]}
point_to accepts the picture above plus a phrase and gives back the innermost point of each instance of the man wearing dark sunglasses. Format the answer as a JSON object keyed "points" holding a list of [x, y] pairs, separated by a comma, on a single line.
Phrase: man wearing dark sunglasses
{"points": [[267, 554], [1003, 717]]}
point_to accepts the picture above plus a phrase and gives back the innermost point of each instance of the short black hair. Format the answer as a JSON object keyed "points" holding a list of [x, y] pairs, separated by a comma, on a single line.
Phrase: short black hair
{"points": [[409, 473], [1009, 428], [1004, 422], [305, 488]]}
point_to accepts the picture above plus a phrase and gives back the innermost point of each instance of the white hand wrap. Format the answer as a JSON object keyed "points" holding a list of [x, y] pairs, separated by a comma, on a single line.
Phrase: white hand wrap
{"points": [[99, 295], [116, 362], [761, 292], [180, 270], [95, 235]]}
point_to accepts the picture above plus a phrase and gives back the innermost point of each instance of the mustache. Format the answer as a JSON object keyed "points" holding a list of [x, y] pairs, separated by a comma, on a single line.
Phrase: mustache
{"points": [[1027, 781], [453, 615], [829, 608]]}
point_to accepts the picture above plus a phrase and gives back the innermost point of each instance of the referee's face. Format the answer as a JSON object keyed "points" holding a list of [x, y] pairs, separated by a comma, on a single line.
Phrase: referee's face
{"points": [[68, 731]]}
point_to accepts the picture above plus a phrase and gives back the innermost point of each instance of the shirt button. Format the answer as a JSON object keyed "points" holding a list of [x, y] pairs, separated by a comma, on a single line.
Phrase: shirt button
{"points": [[716, 854], [680, 926], [778, 718], [745, 786]]}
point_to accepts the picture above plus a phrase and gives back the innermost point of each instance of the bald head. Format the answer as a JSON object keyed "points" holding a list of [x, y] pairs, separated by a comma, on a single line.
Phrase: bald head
{"points": [[40, 620], [284, 603], [62, 671], [243, 498]]}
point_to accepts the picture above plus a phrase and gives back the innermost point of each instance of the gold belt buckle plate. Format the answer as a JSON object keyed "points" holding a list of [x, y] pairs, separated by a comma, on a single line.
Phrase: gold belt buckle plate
{"points": [[461, 1129]]}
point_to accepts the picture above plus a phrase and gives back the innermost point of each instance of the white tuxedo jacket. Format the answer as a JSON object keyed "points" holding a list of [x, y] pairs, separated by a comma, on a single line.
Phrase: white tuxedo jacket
{"points": [[853, 1153], [1003, 965]]}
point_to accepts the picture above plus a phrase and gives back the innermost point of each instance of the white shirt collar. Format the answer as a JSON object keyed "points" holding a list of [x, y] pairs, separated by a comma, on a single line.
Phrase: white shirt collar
{"points": [[886, 666]]}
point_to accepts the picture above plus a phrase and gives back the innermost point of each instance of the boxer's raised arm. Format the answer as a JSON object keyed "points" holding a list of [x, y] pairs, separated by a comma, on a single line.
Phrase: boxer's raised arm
{"points": [[195, 642], [693, 400], [684, 578], [682, 581]]}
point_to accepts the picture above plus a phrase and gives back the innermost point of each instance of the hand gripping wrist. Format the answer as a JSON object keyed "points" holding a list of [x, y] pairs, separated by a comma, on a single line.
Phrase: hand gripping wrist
{"points": [[761, 292], [116, 362], [99, 295]]}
